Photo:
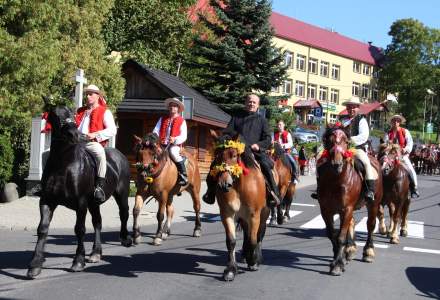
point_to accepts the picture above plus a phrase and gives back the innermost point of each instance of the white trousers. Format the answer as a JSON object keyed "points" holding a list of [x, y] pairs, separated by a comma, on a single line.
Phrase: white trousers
{"points": [[98, 152], [408, 165], [370, 172], [175, 153]]}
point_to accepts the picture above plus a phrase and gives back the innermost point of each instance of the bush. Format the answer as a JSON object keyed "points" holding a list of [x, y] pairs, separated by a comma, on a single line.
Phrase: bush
{"points": [[6, 160]]}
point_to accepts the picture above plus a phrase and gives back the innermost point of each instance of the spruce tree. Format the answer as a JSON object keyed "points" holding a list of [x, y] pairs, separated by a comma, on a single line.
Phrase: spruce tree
{"points": [[237, 56]]}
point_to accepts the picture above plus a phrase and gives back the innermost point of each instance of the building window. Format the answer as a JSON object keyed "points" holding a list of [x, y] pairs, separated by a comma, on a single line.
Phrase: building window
{"points": [[288, 59], [375, 72], [275, 89], [355, 89], [356, 67], [323, 91], [313, 65], [375, 95], [287, 88], [311, 91], [366, 70], [334, 96], [299, 88], [324, 68], [333, 118], [300, 62], [365, 91], [336, 72]]}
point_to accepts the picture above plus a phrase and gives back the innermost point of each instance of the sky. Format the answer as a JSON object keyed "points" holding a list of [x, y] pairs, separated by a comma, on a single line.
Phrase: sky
{"points": [[361, 20]]}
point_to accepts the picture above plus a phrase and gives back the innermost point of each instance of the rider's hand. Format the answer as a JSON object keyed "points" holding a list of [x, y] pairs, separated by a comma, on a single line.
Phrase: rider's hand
{"points": [[91, 136], [255, 147]]}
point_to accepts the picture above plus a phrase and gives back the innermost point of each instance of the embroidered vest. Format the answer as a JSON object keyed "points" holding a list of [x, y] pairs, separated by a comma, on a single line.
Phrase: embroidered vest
{"points": [[400, 137], [175, 127], [284, 135], [96, 119]]}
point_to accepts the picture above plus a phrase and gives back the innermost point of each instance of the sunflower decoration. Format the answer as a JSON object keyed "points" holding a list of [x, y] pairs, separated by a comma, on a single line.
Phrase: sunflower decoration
{"points": [[235, 170], [148, 180], [231, 144]]}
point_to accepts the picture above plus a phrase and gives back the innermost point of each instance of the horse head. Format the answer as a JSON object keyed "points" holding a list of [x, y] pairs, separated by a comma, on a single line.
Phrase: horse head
{"points": [[149, 156], [227, 162], [389, 156], [62, 125], [336, 143]]}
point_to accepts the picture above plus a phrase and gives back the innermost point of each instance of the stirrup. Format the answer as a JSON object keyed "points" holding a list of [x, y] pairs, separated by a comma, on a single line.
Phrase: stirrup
{"points": [[415, 194]]}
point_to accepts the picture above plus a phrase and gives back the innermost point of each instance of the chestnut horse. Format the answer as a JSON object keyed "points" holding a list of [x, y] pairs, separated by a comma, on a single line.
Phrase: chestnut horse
{"points": [[241, 194], [340, 192], [395, 191], [283, 176], [157, 177]]}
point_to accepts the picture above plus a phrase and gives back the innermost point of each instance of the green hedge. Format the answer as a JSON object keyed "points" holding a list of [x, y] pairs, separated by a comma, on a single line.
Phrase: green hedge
{"points": [[6, 159]]}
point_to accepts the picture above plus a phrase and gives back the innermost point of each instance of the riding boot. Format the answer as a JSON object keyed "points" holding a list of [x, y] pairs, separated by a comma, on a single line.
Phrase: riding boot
{"points": [[371, 187], [274, 200], [413, 189], [314, 195], [183, 177], [209, 196], [295, 173], [99, 194]]}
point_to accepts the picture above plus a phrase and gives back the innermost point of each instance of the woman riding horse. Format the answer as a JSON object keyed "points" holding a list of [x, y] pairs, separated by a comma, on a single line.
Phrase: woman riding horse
{"points": [[241, 194], [340, 192], [395, 191], [69, 180]]}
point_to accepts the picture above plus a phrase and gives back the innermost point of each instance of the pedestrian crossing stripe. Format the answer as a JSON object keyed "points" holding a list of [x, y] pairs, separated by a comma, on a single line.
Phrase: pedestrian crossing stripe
{"points": [[293, 213], [317, 223]]}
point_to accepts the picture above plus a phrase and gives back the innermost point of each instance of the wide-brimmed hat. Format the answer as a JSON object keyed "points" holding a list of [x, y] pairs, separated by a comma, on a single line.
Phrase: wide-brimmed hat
{"points": [[352, 101], [93, 89], [175, 101], [399, 117]]}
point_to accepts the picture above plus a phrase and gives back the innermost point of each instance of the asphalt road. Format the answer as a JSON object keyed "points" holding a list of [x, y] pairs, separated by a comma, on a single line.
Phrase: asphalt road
{"points": [[297, 256]]}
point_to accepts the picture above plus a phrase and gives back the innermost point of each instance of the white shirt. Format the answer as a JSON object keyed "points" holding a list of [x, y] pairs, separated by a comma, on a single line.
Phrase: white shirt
{"points": [[102, 135], [180, 139], [408, 139], [364, 132], [287, 145]]}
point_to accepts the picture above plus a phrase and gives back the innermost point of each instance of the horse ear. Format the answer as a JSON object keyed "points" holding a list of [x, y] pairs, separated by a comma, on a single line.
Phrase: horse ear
{"points": [[137, 140], [213, 133]]}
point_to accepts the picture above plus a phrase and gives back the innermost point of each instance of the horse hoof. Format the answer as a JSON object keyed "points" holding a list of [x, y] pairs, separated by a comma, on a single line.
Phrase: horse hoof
{"points": [[280, 221], [272, 222], [137, 240], [94, 258], [394, 240], [197, 233], [403, 233], [164, 236], [77, 267], [286, 219], [382, 231], [157, 241], [253, 268], [127, 242], [336, 271], [33, 272], [350, 254], [228, 275]]}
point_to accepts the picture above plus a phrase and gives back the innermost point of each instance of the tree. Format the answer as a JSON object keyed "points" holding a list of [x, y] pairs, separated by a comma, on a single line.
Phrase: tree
{"points": [[42, 43], [155, 32], [238, 56], [411, 66]]}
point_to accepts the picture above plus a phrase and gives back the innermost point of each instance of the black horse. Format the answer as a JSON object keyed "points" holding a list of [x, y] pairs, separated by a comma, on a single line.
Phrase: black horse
{"points": [[68, 179]]}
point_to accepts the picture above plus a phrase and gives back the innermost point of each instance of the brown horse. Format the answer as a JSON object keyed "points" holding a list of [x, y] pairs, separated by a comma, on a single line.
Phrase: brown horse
{"points": [[283, 176], [241, 194], [340, 192], [157, 177], [395, 192]]}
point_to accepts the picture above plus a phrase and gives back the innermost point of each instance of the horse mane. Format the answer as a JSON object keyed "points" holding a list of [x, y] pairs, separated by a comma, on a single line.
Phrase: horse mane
{"points": [[280, 154]]}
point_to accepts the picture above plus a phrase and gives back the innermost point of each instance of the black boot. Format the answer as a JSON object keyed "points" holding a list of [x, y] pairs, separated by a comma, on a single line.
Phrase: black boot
{"points": [[274, 199], [99, 194], [371, 187], [414, 191], [314, 195], [209, 196], [183, 177]]}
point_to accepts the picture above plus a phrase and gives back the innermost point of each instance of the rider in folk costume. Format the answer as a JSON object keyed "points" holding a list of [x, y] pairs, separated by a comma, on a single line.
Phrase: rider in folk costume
{"points": [[284, 138], [402, 137], [359, 132], [172, 130], [253, 130], [96, 121]]}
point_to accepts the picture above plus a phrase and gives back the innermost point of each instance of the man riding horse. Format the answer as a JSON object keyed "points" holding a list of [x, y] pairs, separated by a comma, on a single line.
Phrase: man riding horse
{"points": [[359, 131], [254, 132], [402, 137], [172, 131], [284, 138], [96, 122]]}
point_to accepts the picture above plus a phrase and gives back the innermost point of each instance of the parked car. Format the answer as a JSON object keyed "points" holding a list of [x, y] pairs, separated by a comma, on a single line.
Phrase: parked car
{"points": [[301, 135]]}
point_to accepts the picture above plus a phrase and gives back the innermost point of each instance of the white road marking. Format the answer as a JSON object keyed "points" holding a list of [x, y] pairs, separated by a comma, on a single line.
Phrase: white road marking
{"points": [[416, 229], [432, 251], [303, 204], [376, 245], [362, 225], [317, 222]]}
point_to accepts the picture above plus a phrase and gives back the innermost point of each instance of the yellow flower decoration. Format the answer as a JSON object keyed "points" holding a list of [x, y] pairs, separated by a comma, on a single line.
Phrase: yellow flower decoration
{"points": [[148, 179], [235, 170], [232, 144]]}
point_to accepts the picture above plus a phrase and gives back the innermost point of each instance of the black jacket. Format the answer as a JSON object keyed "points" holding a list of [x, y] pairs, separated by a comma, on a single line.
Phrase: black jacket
{"points": [[252, 129]]}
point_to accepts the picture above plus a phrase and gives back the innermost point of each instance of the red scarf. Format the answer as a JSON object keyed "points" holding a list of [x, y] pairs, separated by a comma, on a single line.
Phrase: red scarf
{"points": [[283, 136], [400, 137], [96, 118], [175, 127]]}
